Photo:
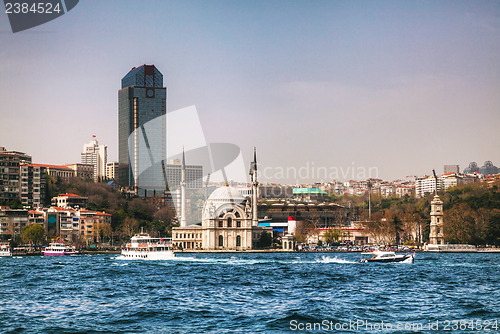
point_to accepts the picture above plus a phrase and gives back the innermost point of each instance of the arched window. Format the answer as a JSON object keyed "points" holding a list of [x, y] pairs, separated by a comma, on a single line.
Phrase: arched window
{"points": [[221, 241], [237, 214], [229, 221], [238, 241]]}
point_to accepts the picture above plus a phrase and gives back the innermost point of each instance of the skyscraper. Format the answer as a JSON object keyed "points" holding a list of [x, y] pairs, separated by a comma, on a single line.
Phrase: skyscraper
{"points": [[97, 156], [142, 130]]}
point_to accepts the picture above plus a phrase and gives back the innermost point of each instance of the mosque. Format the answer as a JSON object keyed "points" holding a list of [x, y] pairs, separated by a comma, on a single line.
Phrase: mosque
{"points": [[229, 220]]}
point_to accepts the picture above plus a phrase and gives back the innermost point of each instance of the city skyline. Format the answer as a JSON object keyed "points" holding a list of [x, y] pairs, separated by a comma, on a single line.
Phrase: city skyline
{"points": [[403, 88]]}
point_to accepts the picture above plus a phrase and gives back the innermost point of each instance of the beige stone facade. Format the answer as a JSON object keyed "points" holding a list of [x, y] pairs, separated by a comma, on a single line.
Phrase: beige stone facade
{"points": [[436, 236]]}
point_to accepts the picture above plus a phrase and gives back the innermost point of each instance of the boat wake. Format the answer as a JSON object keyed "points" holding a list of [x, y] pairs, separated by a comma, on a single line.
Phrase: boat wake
{"points": [[235, 261], [327, 259]]}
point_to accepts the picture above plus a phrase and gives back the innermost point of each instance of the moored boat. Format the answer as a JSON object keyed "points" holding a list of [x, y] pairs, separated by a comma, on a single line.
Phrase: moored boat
{"points": [[388, 257], [5, 249], [59, 248], [143, 246]]}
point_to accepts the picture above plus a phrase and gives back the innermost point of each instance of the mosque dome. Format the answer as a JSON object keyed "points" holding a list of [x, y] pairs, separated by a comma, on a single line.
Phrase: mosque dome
{"points": [[226, 195], [221, 197]]}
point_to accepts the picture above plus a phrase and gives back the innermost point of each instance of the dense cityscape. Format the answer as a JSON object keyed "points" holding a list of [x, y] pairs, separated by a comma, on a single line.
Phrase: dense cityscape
{"points": [[249, 166], [62, 200]]}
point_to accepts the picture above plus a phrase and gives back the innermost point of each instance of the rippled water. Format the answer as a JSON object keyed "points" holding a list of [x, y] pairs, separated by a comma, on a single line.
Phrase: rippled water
{"points": [[248, 293]]}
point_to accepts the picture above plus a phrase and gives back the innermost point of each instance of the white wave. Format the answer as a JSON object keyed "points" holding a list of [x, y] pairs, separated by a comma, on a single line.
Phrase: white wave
{"points": [[327, 259]]}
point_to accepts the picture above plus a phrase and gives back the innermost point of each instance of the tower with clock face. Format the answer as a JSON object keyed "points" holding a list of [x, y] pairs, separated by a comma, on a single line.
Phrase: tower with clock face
{"points": [[142, 131], [436, 236]]}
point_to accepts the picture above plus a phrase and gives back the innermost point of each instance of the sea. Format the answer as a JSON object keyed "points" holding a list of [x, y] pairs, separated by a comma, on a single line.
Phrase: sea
{"points": [[250, 293]]}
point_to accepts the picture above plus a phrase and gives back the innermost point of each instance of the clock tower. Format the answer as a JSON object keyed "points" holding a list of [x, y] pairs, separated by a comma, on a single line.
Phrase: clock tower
{"points": [[436, 236]]}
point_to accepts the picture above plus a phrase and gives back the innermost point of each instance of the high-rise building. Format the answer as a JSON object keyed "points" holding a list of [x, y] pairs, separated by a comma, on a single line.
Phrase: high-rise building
{"points": [[96, 155], [10, 172], [194, 176], [33, 185], [111, 170], [142, 130]]}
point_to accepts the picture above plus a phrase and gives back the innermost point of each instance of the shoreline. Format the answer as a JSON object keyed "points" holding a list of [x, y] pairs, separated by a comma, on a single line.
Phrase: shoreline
{"points": [[264, 251], [192, 251]]}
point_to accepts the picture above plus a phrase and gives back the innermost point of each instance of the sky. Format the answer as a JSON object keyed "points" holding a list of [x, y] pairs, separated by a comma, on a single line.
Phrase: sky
{"points": [[385, 89]]}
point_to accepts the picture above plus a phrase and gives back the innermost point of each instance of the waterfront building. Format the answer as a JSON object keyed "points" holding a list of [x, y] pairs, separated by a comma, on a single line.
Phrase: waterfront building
{"points": [[62, 222], [229, 221], [436, 235], [12, 222], [112, 170], [288, 242], [83, 171], [94, 225], [322, 215], [10, 181], [37, 217], [97, 156], [142, 148]]}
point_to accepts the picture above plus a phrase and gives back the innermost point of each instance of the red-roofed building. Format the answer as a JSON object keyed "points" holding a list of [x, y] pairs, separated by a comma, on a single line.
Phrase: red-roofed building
{"points": [[69, 201], [94, 225], [36, 217]]}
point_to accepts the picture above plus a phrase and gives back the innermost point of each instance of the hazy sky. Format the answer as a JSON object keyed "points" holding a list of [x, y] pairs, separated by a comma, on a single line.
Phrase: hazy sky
{"points": [[401, 86]]}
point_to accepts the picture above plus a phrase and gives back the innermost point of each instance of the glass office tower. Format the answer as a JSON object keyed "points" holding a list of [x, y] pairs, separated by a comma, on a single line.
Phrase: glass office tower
{"points": [[142, 130]]}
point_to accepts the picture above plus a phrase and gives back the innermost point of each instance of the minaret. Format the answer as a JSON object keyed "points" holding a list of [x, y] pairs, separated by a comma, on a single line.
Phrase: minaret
{"points": [[183, 190], [255, 185], [436, 236]]}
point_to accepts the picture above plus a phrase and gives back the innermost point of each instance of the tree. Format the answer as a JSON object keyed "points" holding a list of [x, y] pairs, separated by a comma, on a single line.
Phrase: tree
{"points": [[493, 230], [104, 230], [397, 228], [265, 240], [331, 236], [33, 233], [130, 226]]}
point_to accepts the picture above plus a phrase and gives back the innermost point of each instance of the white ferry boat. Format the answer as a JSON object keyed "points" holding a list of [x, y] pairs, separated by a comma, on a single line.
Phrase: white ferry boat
{"points": [[142, 246], [59, 248], [5, 249]]}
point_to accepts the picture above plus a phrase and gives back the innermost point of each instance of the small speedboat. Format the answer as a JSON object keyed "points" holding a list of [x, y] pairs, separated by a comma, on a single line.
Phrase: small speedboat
{"points": [[388, 257]]}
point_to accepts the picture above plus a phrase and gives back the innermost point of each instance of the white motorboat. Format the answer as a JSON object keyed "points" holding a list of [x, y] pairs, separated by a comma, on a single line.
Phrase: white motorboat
{"points": [[388, 257], [143, 246]]}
